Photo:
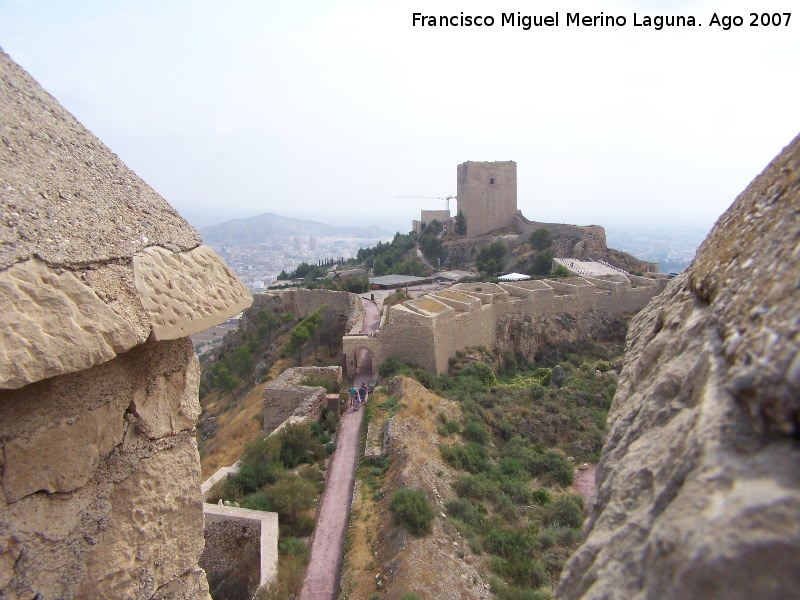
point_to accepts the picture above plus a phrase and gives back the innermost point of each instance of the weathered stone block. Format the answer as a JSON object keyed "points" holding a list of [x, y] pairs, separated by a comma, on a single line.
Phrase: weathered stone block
{"points": [[154, 532], [698, 490], [186, 292], [169, 403], [54, 324], [63, 457]]}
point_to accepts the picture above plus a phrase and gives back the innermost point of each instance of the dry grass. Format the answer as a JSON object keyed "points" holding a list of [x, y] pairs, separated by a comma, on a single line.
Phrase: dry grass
{"points": [[439, 565], [235, 428]]}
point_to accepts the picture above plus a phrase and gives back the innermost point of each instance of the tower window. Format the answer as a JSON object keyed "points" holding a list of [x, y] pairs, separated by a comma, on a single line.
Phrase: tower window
{"points": [[491, 180]]}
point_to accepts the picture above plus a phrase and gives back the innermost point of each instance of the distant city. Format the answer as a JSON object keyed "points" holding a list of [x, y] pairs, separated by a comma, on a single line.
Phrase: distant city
{"points": [[258, 264]]}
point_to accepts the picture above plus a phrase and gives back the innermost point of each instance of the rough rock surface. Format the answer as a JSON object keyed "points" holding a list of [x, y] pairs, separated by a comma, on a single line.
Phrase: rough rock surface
{"points": [[53, 169], [101, 282], [698, 487]]}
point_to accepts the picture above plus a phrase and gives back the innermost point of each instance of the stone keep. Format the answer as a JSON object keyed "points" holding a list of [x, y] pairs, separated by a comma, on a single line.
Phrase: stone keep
{"points": [[101, 282], [487, 195], [698, 485]]}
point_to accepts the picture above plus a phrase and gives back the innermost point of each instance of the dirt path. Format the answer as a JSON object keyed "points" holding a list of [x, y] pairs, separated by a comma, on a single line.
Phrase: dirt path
{"points": [[327, 545], [584, 481]]}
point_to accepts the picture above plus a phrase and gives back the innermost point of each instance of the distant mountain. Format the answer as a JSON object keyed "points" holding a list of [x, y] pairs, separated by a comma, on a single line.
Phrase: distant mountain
{"points": [[269, 227]]}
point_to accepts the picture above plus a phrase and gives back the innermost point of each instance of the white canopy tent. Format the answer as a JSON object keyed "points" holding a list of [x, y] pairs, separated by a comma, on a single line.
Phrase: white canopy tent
{"points": [[513, 277]]}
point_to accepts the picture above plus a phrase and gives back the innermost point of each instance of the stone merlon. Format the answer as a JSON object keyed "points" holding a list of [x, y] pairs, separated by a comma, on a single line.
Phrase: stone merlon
{"points": [[92, 260]]}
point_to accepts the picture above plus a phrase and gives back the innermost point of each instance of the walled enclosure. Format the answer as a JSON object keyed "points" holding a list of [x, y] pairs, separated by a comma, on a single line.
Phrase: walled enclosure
{"points": [[101, 283], [429, 330], [487, 195], [287, 397]]}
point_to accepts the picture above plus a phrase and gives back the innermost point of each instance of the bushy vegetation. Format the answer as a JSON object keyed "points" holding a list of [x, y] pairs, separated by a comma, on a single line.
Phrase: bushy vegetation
{"points": [[280, 473], [389, 257], [491, 258], [412, 510], [516, 444]]}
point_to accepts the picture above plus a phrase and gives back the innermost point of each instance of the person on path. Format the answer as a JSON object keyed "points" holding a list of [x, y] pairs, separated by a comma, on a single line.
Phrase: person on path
{"points": [[353, 394], [362, 393]]}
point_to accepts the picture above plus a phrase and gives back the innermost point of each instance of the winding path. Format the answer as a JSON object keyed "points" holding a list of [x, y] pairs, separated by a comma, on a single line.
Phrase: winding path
{"points": [[327, 544]]}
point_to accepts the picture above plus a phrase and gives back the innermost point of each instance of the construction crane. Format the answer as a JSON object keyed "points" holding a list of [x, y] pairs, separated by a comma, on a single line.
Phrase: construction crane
{"points": [[445, 198]]}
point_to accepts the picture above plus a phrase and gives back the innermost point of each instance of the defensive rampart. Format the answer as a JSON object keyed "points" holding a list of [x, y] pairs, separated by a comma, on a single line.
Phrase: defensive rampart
{"points": [[427, 331]]}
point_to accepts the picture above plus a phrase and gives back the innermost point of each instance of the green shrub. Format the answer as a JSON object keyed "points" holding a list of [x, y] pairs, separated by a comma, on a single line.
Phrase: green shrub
{"points": [[479, 487], [253, 477], [560, 537], [542, 496], [412, 510], [482, 372], [258, 501], [448, 428], [466, 511], [567, 511], [292, 546], [393, 366], [470, 457], [409, 596], [519, 491], [521, 569], [330, 448], [476, 432], [552, 466], [299, 445], [329, 420], [602, 366], [262, 450], [291, 495], [423, 376]]}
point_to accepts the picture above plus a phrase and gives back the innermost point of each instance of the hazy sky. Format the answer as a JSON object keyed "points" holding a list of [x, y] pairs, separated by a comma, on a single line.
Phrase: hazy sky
{"points": [[330, 109]]}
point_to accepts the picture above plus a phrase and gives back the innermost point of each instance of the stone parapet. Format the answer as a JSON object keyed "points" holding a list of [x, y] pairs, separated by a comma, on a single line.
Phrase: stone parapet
{"points": [[242, 541], [101, 282]]}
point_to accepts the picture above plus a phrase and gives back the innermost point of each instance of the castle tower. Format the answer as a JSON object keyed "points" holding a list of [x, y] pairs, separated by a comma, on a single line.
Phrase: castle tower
{"points": [[487, 195]]}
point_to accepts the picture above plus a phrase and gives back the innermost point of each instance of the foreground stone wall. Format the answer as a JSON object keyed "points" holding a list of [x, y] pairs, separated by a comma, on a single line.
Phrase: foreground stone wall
{"points": [[99, 467], [698, 487]]}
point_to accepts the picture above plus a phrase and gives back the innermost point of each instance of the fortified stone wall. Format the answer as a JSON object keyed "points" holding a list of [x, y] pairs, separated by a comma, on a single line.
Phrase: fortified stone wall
{"points": [[303, 302], [428, 331], [286, 397], [98, 379]]}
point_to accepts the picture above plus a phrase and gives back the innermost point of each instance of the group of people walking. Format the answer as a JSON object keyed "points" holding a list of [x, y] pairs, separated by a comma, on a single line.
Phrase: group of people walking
{"points": [[358, 396]]}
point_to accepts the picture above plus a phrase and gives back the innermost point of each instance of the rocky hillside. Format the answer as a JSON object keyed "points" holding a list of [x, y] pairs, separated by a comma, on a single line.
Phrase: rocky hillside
{"points": [[569, 241], [698, 487]]}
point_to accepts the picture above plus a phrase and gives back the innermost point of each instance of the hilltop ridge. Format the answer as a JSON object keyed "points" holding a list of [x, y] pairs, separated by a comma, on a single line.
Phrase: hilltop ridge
{"points": [[267, 226]]}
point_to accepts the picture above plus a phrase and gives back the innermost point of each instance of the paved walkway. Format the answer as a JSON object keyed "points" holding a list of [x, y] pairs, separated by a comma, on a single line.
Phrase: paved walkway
{"points": [[327, 545]]}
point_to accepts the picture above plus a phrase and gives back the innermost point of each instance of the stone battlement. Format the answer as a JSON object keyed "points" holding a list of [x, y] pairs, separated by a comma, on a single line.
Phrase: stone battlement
{"points": [[427, 331]]}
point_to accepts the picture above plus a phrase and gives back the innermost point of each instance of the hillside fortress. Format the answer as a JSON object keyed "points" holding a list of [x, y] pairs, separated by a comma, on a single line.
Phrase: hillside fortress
{"points": [[428, 330]]}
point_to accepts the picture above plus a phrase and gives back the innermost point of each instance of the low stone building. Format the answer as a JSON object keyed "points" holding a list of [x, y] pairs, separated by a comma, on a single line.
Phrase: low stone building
{"points": [[101, 283]]}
